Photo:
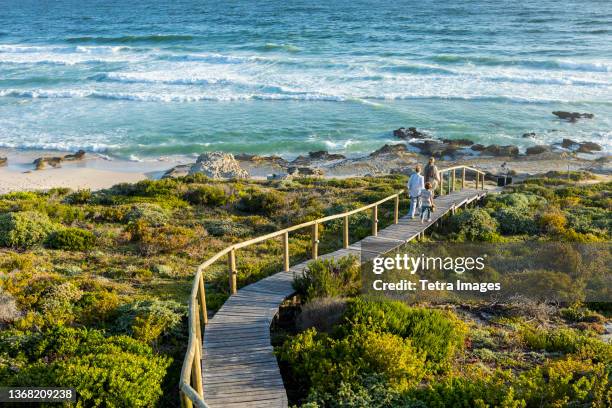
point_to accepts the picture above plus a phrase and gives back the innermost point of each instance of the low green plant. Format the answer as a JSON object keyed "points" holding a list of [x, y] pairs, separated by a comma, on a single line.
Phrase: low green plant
{"points": [[257, 201], [328, 278], [24, 229], [474, 224], [71, 239], [147, 320], [209, 195]]}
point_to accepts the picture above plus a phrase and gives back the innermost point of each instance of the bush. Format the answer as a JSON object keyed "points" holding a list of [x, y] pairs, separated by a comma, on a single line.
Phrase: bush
{"points": [[57, 304], [78, 197], [326, 363], [328, 278], [440, 335], [515, 221], [221, 228], [255, 201], [554, 340], [114, 371], [24, 229], [322, 314], [213, 196], [71, 239], [552, 221], [147, 320], [474, 224], [151, 214]]}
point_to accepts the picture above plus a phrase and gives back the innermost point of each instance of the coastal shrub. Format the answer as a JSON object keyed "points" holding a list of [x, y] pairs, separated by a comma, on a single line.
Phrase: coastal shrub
{"points": [[221, 228], [515, 221], [78, 197], [321, 313], [440, 335], [71, 239], [265, 202], [552, 221], [24, 229], [165, 239], [147, 320], [474, 224], [211, 195], [563, 340], [57, 303], [115, 371], [151, 214], [328, 278], [325, 362]]}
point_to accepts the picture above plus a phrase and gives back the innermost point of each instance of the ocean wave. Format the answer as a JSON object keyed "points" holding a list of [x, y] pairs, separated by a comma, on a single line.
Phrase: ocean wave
{"points": [[214, 58], [126, 39], [274, 47], [29, 49], [295, 96], [592, 66], [60, 146]]}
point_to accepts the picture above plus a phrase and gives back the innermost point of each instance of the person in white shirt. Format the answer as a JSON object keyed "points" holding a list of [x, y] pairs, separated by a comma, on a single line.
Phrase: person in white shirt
{"points": [[416, 183]]}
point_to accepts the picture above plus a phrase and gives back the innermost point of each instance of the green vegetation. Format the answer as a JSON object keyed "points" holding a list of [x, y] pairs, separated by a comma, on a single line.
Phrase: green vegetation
{"points": [[94, 285], [525, 353]]}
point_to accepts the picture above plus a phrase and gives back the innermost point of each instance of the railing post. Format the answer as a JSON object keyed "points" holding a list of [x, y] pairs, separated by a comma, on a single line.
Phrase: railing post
{"points": [[315, 241], [449, 182], [463, 178], [286, 251], [232, 271], [396, 210], [454, 177], [441, 182], [197, 373], [345, 234], [185, 401], [375, 220], [477, 179], [202, 293]]}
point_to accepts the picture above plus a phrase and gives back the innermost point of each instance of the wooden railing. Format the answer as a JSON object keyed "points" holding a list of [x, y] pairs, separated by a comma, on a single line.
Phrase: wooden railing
{"points": [[191, 385]]}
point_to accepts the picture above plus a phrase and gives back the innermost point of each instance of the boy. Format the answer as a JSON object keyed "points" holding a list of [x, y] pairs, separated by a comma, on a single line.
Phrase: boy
{"points": [[427, 202], [415, 186]]}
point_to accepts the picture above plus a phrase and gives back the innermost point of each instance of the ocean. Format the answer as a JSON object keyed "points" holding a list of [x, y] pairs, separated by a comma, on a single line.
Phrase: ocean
{"points": [[140, 80]]}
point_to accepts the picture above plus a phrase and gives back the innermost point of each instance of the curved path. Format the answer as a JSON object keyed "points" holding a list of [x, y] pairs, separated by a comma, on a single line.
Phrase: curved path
{"points": [[238, 364]]}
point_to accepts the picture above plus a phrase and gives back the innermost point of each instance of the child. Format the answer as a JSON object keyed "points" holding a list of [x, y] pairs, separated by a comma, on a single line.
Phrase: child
{"points": [[427, 202]]}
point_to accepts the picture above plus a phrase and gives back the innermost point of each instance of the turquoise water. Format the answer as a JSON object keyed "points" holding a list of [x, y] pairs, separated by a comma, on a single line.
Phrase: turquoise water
{"points": [[182, 77]]}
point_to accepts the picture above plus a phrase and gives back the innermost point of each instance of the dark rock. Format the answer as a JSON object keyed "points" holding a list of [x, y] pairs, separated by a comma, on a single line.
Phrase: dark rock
{"points": [[572, 116], [325, 155], [296, 171], [3, 161], [410, 133], [42, 162], [497, 150], [539, 149], [458, 142], [390, 149], [589, 147], [568, 143], [435, 148], [477, 147], [77, 156], [529, 135], [254, 158]]}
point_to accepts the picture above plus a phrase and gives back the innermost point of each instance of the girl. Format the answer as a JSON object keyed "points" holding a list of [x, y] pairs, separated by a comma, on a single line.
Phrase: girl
{"points": [[427, 202]]}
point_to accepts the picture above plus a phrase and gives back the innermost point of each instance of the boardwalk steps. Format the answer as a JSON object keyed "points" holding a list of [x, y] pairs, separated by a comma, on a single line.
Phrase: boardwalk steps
{"points": [[239, 368]]}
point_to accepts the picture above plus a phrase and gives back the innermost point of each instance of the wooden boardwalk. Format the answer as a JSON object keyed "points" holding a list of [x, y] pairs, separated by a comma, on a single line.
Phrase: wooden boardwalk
{"points": [[238, 364]]}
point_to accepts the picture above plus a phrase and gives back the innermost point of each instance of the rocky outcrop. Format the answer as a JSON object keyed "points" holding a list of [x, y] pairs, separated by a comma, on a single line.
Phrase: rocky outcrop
{"points": [[497, 150], [435, 148], [581, 147], [3, 161], [320, 155], [539, 149], [458, 142], [572, 116], [390, 149], [478, 147], [529, 135], [588, 147], [56, 161], [178, 171], [218, 165], [296, 171], [254, 158], [410, 133]]}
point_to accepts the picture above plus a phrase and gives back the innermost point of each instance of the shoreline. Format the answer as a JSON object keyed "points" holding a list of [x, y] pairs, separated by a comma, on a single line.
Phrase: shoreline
{"points": [[97, 171]]}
